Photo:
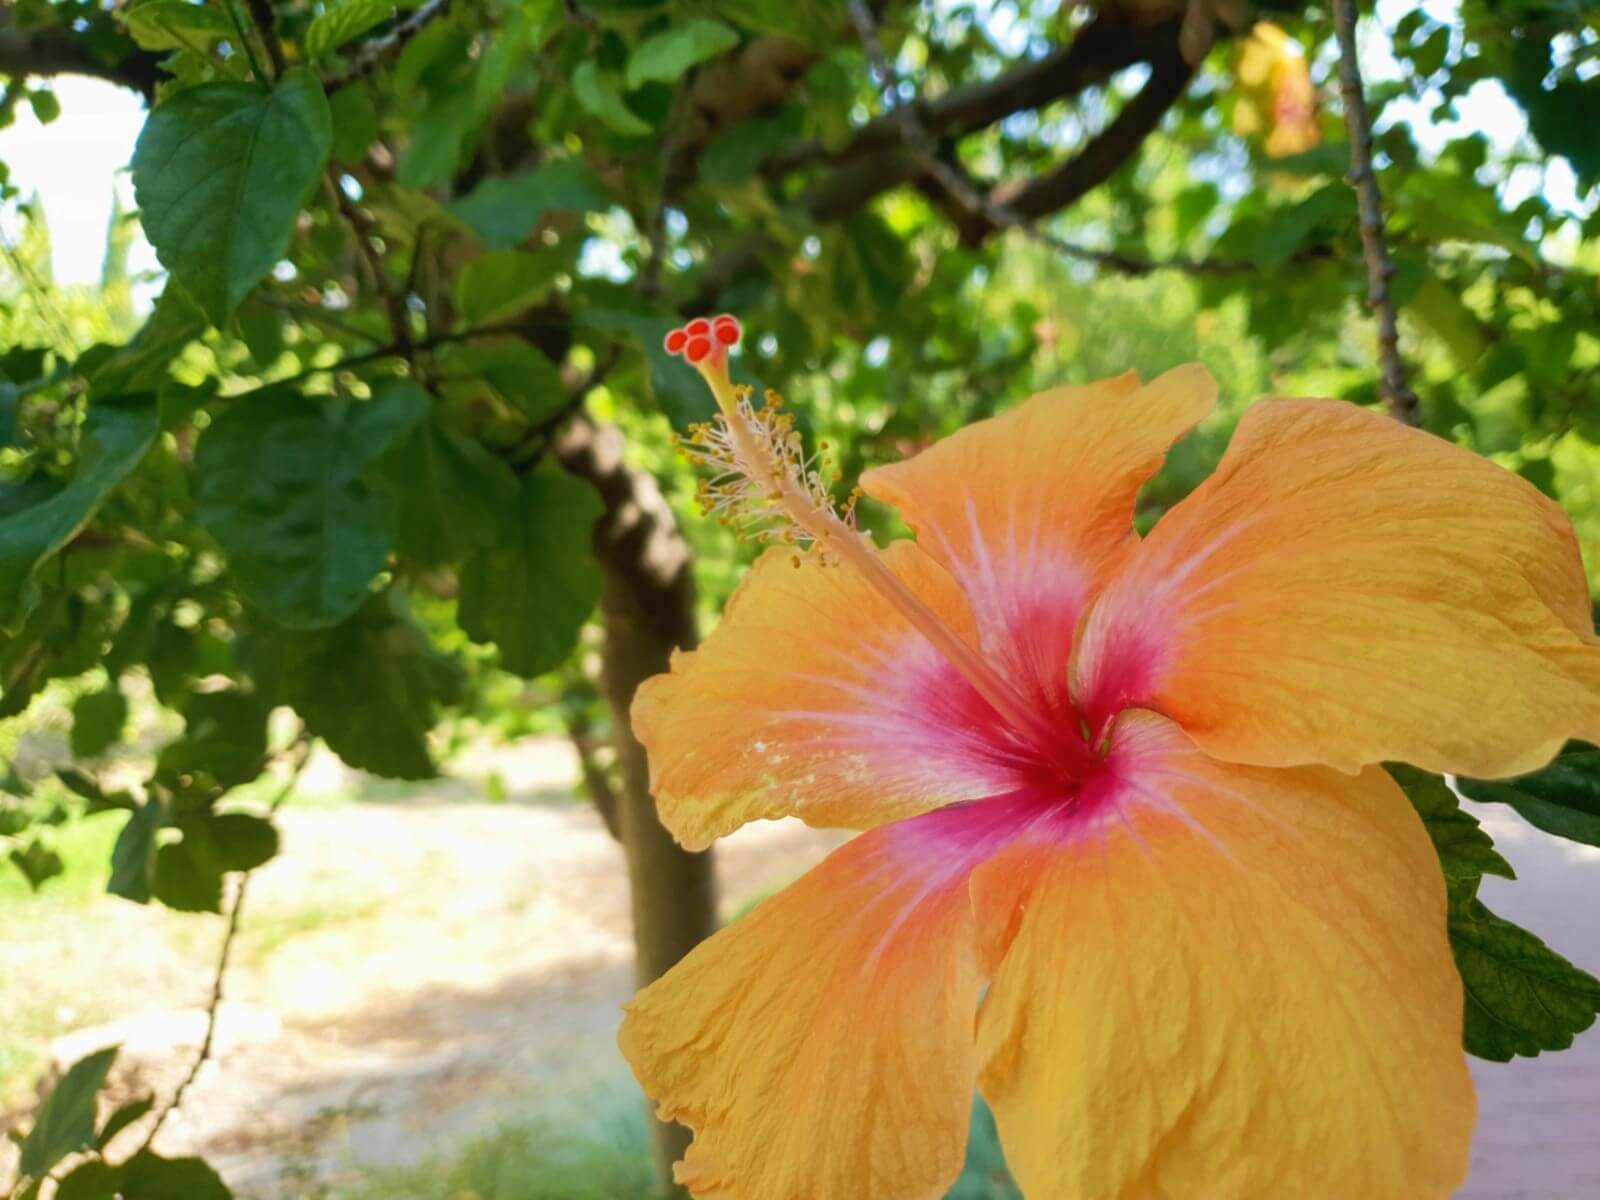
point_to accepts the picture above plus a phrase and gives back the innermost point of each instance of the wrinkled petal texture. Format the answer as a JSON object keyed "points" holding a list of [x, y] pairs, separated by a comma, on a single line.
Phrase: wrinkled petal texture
{"points": [[815, 698], [1028, 510], [821, 1046], [1234, 982], [1345, 590]]}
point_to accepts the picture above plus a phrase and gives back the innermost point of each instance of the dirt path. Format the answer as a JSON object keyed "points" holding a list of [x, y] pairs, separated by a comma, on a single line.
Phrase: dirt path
{"points": [[411, 972]]}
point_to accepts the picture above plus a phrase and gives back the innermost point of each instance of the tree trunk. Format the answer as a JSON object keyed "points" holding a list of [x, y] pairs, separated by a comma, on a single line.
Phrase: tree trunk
{"points": [[648, 608]]}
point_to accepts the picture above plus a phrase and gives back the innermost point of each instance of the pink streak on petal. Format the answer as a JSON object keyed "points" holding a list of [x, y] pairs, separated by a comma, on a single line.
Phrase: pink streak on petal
{"points": [[918, 725], [1122, 656]]}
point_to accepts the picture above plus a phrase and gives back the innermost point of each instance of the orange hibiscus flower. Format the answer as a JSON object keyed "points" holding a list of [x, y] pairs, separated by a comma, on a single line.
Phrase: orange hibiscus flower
{"points": [[1130, 867]]}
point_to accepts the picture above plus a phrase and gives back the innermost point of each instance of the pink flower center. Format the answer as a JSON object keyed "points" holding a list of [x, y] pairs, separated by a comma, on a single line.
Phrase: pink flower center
{"points": [[1026, 732]]}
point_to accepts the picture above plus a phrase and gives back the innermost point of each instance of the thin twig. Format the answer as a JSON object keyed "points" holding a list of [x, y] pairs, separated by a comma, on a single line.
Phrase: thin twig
{"points": [[313, 312], [535, 440], [375, 50], [576, 14], [432, 342], [394, 304], [302, 752], [1397, 394], [246, 43], [655, 231], [261, 12], [960, 188]]}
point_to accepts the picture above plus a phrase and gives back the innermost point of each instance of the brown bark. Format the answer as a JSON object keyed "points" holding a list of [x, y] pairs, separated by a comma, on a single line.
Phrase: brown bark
{"points": [[648, 608]]}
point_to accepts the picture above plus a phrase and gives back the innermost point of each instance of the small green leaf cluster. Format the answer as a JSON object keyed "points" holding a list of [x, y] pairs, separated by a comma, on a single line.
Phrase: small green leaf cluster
{"points": [[66, 1129], [1521, 996]]}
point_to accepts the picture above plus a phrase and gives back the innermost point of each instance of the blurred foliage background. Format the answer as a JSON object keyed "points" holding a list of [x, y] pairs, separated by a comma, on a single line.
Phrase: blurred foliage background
{"points": [[382, 458]]}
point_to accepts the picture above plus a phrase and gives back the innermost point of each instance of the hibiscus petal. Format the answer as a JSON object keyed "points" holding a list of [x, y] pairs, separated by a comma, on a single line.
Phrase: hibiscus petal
{"points": [[1232, 981], [1346, 590], [822, 1044], [1028, 508], [815, 698]]}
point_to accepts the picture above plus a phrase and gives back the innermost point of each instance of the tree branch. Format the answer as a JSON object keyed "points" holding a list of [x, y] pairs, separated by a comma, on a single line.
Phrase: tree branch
{"points": [[302, 751], [1398, 397], [597, 783], [977, 214], [266, 22], [62, 51], [1113, 146], [1096, 53], [375, 50], [394, 304]]}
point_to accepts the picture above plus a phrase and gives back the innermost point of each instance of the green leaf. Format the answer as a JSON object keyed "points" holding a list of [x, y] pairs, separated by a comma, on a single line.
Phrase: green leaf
{"points": [[513, 371], [46, 107], [1466, 852], [735, 155], [871, 267], [97, 721], [1563, 799], [187, 876], [220, 171], [531, 596], [342, 22], [504, 211], [141, 365], [125, 1116], [501, 284], [1330, 158], [666, 56], [80, 784], [115, 437], [224, 736], [1522, 997], [438, 140], [370, 688], [1287, 229], [133, 857], [1563, 112], [355, 121], [92, 1180], [1439, 306], [678, 390], [188, 872], [38, 863], [277, 482], [148, 1176], [242, 841], [176, 25], [1429, 56], [10, 399], [447, 494], [65, 1123], [818, 23], [601, 93]]}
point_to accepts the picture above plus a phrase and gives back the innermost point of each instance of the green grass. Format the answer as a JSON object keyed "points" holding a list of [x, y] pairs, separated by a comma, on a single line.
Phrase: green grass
{"points": [[33, 1003], [84, 845], [608, 1159]]}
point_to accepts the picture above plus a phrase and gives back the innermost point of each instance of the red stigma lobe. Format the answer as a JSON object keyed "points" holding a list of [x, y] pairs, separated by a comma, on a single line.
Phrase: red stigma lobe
{"points": [[702, 338]]}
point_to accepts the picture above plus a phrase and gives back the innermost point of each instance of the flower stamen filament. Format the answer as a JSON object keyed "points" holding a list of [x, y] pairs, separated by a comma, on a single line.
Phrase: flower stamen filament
{"points": [[759, 448]]}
